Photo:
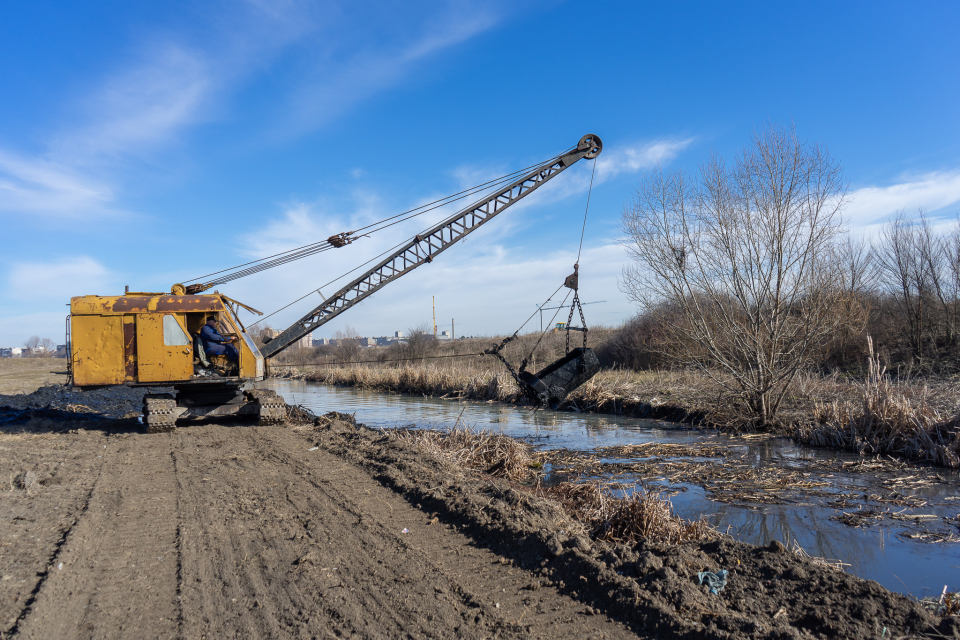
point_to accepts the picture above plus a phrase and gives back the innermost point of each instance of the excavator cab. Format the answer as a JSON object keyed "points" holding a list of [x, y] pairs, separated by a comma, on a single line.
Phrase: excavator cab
{"points": [[152, 340]]}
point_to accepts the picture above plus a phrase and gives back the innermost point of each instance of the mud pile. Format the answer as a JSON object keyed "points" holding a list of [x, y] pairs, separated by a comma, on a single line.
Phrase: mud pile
{"points": [[770, 592], [111, 402]]}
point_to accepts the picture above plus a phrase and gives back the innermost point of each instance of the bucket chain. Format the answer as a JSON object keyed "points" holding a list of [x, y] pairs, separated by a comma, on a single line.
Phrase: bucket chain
{"points": [[583, 320]]}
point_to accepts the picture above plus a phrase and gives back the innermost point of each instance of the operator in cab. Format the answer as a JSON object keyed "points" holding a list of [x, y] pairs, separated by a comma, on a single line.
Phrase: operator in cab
{"points": [[215, 344]]}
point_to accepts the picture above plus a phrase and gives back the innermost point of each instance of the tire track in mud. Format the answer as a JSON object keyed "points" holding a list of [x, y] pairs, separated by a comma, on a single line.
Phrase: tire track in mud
{"points": [[30, 544], [117, 578], [50, 564], [281, 542]]}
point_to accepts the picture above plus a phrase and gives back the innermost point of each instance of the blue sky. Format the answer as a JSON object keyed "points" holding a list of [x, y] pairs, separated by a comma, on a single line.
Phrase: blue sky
{"points": [[146, 143]]}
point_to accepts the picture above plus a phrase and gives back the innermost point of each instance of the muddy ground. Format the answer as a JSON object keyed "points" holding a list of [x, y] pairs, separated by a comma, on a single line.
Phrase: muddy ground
{"points": [[232, 530]]}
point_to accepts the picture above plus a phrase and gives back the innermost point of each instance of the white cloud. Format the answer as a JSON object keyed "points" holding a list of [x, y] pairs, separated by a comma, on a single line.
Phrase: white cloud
{"points": [[633, 158], [339, 84], [614, 161], [42, 186], [143, 106], [174, 83], [60, 279], [869, 206]]}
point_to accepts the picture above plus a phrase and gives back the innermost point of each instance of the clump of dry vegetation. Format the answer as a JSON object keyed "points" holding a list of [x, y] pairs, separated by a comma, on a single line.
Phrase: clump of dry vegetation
{"points": [[492, 453], [885, 420], [948, 604], [836, 565], [629, 517]]}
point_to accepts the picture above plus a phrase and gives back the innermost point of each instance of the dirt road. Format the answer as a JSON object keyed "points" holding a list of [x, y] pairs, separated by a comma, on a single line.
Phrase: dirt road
{"points": [[218, 531]]}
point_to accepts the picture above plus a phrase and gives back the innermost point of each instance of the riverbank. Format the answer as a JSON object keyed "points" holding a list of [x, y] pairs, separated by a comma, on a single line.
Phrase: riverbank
{"points": [[329, 527], [915, 420]]}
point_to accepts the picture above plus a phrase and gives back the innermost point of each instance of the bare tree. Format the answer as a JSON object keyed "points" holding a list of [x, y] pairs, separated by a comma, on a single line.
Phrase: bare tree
{"points": [[905, 273], [420, 342], [261, 332], [348, 345], [745, 257], [49, 346], [935, 254]]}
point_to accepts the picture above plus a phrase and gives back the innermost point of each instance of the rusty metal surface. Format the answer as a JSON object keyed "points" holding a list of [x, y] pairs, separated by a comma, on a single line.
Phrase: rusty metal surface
{"points": [[97, 350], [129, 348], [108, 305], [157, 362], [428, 245], [340, 239]]}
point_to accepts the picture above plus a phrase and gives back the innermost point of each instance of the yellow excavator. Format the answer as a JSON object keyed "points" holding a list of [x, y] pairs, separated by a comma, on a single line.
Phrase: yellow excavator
{"points": [[143, 339]]}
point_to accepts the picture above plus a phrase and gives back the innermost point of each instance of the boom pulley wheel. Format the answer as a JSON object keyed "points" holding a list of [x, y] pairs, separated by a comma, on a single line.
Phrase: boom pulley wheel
{"points": [[592, 142]]}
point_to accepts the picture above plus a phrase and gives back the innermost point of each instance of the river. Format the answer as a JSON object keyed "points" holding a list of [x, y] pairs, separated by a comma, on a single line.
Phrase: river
{"points": [[882, 550]]}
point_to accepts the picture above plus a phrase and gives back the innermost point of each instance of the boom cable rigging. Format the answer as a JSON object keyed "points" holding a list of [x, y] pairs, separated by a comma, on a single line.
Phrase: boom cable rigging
{"points": [[342, 239], [572, 283]]}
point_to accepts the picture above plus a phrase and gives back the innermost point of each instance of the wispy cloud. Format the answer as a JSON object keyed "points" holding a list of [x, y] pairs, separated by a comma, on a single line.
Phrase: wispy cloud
{"points": [[142, 106], [869, 206], [58, 279], [632, 158], [615, 161], [354, 73], [173, 83], [33, 185]]}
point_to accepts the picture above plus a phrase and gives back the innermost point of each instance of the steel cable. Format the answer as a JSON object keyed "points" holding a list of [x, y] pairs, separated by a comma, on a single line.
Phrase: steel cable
{"points": [[304, 251]]}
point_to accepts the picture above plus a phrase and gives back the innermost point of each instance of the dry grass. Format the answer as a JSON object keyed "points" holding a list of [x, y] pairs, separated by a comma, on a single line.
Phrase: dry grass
{"points": [[886, 418], [836, 565], [26, 375], [625, 518], [948, 604], [492, 453], [629, 517]]}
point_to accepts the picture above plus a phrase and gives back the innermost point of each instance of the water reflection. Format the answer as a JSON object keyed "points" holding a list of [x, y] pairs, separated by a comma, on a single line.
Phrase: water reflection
{"points": [[880, 553]]}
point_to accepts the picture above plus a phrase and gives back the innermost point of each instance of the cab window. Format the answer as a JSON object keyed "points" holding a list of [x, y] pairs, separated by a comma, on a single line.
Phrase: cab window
{"points": [[173, 334]]}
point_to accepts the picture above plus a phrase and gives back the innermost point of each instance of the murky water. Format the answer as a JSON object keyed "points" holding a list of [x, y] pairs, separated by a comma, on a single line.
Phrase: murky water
{"points": [[880, 552]]}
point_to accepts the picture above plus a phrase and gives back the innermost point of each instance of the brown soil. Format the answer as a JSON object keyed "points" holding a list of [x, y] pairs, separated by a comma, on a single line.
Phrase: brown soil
{"points": [[230, 530]]}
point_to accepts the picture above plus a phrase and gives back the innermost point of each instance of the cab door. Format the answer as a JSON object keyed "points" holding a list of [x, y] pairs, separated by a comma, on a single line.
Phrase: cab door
{"points": [[164, 348]]}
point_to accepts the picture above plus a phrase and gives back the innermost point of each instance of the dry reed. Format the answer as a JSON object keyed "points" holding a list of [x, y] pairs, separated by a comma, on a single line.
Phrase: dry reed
{"points": [[948, 604], [836, 565], [885, 420], [629, 517], [625, 518], [495, 454]]}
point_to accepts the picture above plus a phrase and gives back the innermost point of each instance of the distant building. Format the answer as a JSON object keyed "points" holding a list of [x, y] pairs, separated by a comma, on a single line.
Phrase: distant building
{"points": [[398, 334], [305, 342], [444, 335], [321, 342], [8, 352]]}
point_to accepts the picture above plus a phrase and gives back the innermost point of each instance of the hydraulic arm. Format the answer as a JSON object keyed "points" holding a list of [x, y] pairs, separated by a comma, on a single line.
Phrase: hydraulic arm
{"points": [[424, 247]]}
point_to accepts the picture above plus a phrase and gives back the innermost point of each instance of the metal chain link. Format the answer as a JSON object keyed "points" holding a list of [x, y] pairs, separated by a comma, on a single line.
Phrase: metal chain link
{"points": [[583, 320]]}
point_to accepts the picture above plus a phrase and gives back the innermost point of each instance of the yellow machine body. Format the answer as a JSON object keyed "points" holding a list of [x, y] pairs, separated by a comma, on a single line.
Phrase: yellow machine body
{"points": [[150, 339]]}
